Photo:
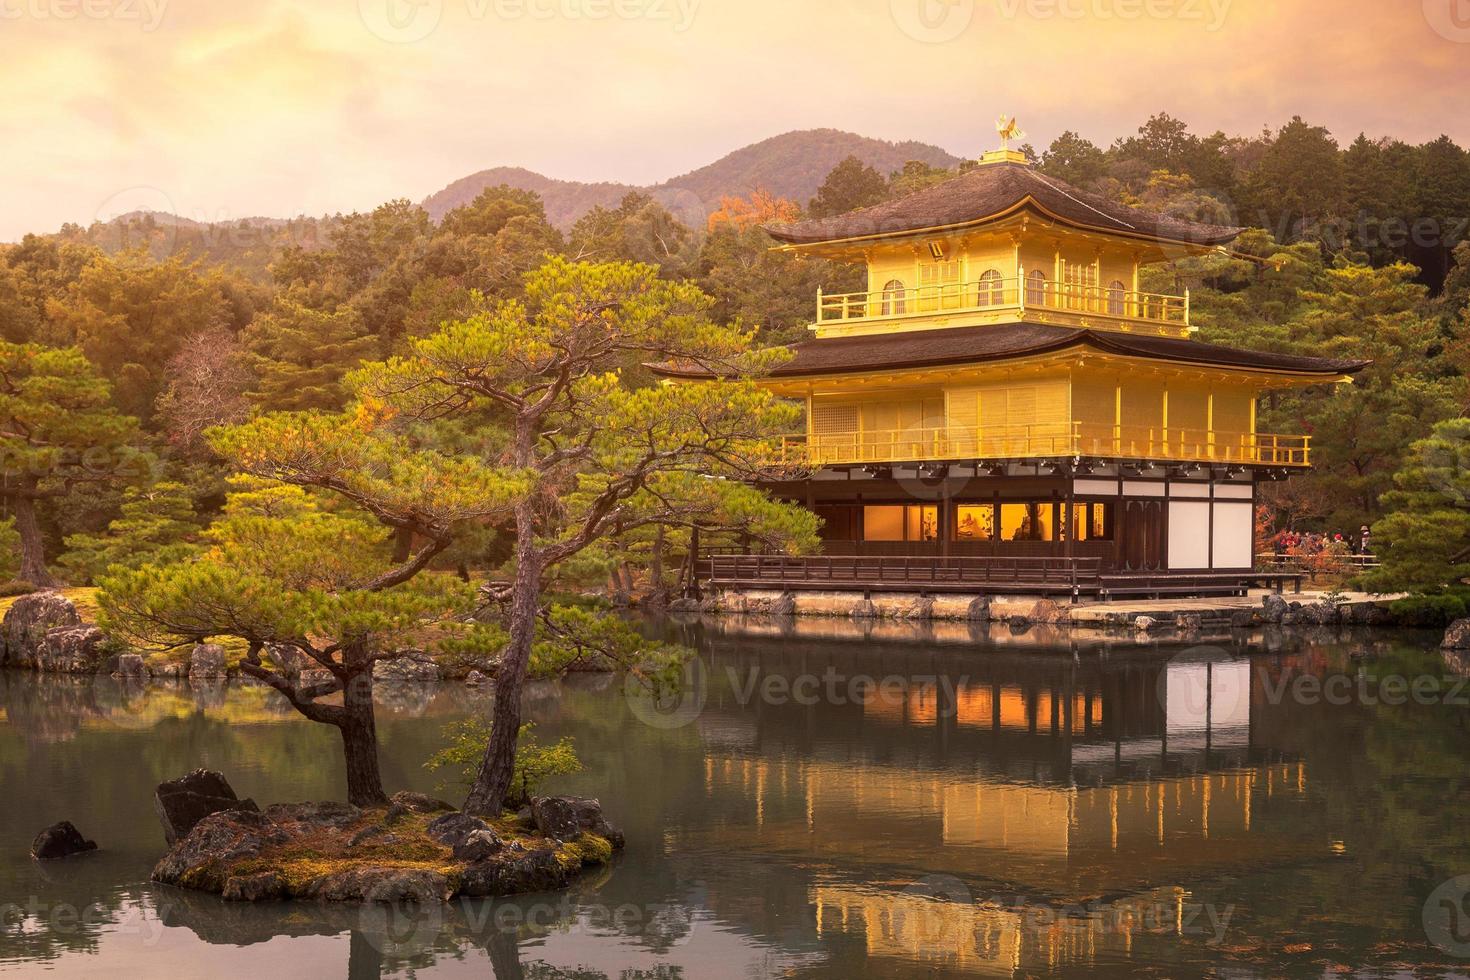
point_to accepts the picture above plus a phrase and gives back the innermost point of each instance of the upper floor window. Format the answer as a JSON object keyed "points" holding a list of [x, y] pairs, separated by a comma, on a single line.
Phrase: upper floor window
{"points": [[1116, 293], [939, 273], [893, 298], [992, 289], [1036, 288]]}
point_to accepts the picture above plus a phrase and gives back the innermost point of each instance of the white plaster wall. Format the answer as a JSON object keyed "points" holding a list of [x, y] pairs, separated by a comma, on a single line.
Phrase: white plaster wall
{"points": [[1189, 534]]}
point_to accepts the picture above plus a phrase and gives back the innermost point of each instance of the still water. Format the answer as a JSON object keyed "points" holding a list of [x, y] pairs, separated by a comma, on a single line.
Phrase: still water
{"points": [[827, 801]]}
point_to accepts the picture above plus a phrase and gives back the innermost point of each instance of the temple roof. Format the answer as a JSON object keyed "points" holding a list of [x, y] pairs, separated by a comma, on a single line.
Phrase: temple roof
{"points": [[991, 191], [970, 345]]}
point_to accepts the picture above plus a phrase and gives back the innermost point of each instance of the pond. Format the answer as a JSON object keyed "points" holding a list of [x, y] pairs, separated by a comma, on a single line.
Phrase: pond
{"points": [[826, 801]]}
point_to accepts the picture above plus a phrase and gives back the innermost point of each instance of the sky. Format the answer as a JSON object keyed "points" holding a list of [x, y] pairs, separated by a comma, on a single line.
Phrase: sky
{"points": [[223, 109]]}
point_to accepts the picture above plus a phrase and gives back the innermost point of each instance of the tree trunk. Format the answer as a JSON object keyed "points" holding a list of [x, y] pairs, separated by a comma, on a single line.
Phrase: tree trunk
{"points": [[497, 768], [656, 566], [402, 545], [32, 545], [360, 738]]}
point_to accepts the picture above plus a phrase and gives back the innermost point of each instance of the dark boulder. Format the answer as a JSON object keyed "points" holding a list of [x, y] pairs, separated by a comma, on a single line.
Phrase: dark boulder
{"points": [[1457, 637], [454, 830], [533, 871], [564, 817], [1047, 611], [979, 610], [198, 860], [478, 846], [1274, 608], [410, 668], [1318, 614], [59, 841], [207, 661], [1244, 618], [26, 623], [131, 666], [182, 803], [71, 650]]}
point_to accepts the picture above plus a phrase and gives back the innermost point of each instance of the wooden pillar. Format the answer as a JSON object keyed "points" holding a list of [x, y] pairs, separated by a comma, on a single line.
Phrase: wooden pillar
{"points": [[946, 518], [1166, 420], [1118, 417], [1210, 424]]}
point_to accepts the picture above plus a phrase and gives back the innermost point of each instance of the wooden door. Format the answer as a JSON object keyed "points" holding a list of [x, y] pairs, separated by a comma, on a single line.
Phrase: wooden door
{"points": [[1143, 535]]}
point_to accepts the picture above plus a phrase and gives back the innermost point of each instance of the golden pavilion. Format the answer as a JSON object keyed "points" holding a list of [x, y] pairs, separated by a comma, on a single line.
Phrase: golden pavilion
{"points": [[1004, 409]]}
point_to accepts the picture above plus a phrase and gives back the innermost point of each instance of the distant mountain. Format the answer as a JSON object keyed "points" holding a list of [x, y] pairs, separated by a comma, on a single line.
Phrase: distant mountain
{"points": [[792, 165]]}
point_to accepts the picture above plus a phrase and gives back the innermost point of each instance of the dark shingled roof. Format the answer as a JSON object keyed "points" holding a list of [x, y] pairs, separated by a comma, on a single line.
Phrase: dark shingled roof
{"points": [[968, 345], [993, 189]]}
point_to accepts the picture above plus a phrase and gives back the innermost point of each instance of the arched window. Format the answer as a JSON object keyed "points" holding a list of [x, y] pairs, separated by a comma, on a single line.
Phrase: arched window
{"points": [[992, 289], [1116, 292], [1036, 288], [893, 298]]}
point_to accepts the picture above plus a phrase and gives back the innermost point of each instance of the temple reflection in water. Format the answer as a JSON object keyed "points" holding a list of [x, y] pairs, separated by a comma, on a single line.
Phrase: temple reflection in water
{"points": [[997, 811]]}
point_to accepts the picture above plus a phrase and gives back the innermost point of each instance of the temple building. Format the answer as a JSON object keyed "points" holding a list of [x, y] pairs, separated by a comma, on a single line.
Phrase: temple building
{"points": [[1003, 406]]}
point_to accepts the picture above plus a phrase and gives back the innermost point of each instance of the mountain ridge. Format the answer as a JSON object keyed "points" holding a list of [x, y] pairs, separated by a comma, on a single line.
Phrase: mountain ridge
{"points": [[791, 165]]}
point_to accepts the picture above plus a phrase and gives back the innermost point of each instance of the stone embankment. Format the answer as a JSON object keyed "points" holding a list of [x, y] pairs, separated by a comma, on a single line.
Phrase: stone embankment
{"points": [[1184, 614]]}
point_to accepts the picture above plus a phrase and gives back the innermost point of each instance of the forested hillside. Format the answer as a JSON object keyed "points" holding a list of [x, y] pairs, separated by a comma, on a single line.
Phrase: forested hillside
{"points": [[146, 331], [792, 166]]}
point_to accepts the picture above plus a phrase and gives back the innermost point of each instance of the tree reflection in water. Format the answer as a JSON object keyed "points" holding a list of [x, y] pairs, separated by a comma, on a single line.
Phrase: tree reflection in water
{"points": [[1073, 785]]}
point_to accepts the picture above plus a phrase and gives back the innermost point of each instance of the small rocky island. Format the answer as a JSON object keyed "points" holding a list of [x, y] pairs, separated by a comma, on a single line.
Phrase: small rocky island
{"points": [[416, 850]]}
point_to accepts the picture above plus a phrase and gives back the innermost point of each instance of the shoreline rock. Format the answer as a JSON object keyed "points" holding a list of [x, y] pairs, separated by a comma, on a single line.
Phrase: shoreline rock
{"points": [[182, 803], [418, 849], [60, 840]]}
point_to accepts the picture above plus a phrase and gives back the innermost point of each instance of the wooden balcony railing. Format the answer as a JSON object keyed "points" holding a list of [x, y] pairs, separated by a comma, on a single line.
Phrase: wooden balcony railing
{"points": [[1043, 440], [1014, 293]]}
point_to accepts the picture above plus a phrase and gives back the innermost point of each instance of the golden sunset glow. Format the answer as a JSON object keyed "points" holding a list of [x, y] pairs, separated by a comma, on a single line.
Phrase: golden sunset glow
{"points": [[277, 107]]}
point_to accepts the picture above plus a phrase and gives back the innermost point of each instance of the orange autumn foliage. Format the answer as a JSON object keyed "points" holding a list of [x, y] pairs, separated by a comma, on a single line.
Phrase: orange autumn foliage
{"points": [[761, 208]]}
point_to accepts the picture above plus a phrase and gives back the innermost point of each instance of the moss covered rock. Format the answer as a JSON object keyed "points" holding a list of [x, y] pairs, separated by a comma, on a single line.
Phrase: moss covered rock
{"points": [[333, 852]]}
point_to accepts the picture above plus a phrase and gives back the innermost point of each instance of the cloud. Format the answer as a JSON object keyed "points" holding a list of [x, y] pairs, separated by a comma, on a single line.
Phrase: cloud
{"points": [[288, 106]]}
